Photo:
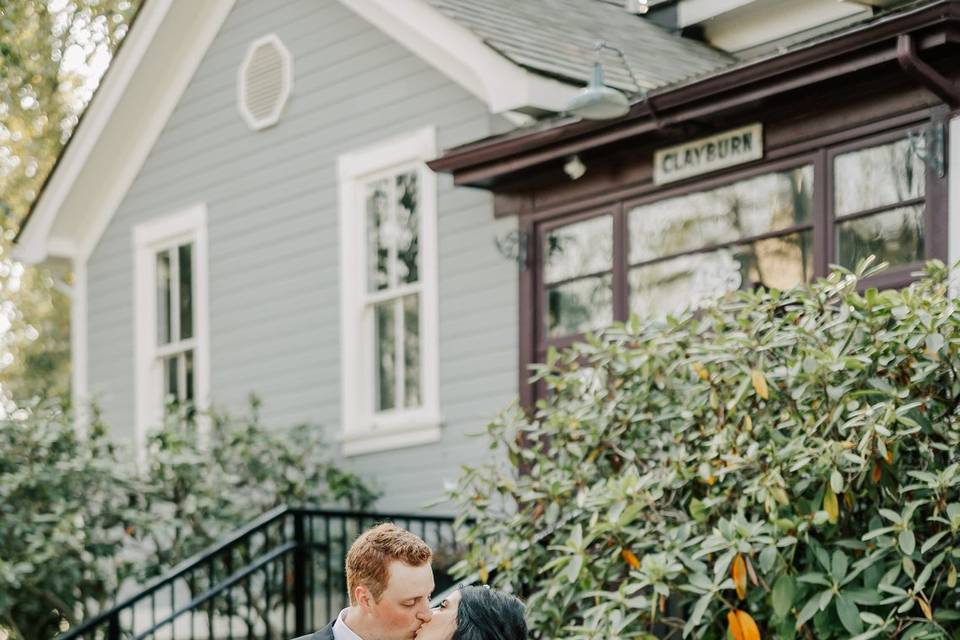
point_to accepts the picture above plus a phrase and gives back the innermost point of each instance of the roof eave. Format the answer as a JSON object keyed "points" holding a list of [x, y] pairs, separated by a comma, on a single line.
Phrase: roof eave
{"points": [[484, 163]]}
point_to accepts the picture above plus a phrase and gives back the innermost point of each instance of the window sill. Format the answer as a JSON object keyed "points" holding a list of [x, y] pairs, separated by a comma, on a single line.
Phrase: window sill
{"points": [[389, 433]]}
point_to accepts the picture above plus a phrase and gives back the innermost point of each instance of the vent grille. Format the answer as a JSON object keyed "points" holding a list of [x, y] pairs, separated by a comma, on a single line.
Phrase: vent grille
{"points": [[266, 76]]}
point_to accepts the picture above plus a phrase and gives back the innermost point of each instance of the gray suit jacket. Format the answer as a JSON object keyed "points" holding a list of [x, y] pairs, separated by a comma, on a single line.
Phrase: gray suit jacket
{"points": [[324, 634]]}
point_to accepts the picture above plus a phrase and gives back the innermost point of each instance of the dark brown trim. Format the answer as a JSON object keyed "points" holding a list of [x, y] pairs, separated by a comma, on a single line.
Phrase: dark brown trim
{"points": [[932, 26], [647, 192], [527, 309], [910, 61], [866, 213]]}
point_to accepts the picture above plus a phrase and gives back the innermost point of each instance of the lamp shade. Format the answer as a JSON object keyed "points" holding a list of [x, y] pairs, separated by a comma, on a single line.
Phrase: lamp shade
{"points": [[598, 101]]}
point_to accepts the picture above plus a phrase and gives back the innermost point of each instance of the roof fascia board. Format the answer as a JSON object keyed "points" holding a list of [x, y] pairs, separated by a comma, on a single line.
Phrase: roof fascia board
{"points": [[481, 163], [463, 57], [31, 246], [690, 12], [153, 113]]}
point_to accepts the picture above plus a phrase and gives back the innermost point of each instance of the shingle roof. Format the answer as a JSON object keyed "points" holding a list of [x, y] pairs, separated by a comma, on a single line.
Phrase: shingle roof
{"points": [[556, 38]]}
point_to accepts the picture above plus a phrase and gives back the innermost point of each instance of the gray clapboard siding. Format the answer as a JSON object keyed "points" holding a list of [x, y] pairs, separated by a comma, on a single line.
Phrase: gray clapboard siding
{"points": [[273, 239]]}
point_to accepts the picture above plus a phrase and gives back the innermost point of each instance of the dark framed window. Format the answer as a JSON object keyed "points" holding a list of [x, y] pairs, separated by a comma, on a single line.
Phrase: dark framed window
{"points": [[778, 223]]}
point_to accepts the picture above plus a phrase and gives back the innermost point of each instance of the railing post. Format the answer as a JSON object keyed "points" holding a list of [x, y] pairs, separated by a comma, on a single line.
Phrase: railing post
{"points": [[300, 558], [113, 626]]}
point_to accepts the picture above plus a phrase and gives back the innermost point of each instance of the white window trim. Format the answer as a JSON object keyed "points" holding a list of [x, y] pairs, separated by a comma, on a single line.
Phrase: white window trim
{"points": [[362, 430], [186, 225]]}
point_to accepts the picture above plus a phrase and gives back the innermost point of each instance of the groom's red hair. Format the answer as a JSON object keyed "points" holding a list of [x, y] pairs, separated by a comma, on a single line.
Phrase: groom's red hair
{"points": [[370, 555]]}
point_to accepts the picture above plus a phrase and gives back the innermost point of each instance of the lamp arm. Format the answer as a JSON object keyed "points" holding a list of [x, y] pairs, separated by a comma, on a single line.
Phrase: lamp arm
{"points": [[600, 45]]}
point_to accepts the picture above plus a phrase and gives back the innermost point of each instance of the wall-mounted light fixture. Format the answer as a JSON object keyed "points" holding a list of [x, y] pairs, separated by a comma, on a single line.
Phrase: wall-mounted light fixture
{"points": [[638, 7], [574, 167]]}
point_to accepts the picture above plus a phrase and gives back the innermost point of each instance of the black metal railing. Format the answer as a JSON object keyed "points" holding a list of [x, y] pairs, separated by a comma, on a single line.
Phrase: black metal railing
{"points": [[281, 576]]}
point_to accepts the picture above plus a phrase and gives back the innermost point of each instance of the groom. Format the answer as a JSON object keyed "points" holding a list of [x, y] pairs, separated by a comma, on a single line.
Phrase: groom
{"points": [[389, 581]]}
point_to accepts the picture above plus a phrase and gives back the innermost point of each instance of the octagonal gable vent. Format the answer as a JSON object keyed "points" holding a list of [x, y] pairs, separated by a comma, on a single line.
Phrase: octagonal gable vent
{"points": [[266, 77]]}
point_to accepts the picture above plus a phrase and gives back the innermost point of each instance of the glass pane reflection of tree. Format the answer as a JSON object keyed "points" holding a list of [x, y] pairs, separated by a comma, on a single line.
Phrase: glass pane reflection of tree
{"points": [[737, 211], [877, 176], [894, 236], [578, 259], [671, 285]]}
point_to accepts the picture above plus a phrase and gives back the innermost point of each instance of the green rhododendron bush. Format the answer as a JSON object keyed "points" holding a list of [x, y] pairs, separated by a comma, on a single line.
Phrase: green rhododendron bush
{"points": [[80, 524], [775, 465]]}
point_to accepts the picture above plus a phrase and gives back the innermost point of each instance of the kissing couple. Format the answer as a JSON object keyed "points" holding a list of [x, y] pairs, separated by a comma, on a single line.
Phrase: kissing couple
{"points": [[390, 581]]}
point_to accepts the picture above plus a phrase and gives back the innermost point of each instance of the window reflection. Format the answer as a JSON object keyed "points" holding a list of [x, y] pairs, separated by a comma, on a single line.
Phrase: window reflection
{"points": [[876, 177], [894, 236], [726, 214], [578, 249], [578, 259], [668, 286], [579, 305]]}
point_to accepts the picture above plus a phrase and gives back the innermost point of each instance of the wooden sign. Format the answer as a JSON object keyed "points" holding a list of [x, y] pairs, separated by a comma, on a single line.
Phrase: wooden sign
{"points": [[706, 155]]}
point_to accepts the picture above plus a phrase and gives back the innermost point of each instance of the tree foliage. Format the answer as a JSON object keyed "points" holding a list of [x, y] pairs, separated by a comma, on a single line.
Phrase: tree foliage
{"points": [[52, 55], [779, 464], [78, 522]]}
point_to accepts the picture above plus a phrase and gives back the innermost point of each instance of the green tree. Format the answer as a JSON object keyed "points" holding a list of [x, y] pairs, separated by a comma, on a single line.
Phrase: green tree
{"points": [[779, 462], [52, 55]]}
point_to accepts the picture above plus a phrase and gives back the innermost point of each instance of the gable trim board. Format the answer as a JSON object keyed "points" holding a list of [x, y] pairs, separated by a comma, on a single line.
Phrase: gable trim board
{"points": [[123, 121]]}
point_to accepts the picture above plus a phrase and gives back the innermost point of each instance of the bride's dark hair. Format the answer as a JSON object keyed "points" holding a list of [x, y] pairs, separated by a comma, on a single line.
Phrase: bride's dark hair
{"points": [[489, 614]]}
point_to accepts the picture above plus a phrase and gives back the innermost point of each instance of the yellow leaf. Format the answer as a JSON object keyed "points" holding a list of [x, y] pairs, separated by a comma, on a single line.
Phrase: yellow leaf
{"points": [[630, 558], [748, 424], [701, 371], [889, 456], [484, 574], [733, 625], [831, 505], [952, 576], [748, 626], [759, 383], [739, 573], [742, 626], [877, 473], [927, 611]]}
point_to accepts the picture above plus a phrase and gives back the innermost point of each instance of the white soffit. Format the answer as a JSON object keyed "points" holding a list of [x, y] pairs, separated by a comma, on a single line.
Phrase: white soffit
{"points": [[463, 56], [151, 70]]}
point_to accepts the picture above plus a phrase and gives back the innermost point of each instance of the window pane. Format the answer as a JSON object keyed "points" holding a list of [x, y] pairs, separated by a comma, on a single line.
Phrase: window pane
{"points": [[411, 350], [171, 375], [747, 208], [408, 228], [163, 298], [894, 236], [188, 366], [580, 305], [877, 177], [578, 249], [385, 354], [378, 230], [186, 290], [669, 286]]}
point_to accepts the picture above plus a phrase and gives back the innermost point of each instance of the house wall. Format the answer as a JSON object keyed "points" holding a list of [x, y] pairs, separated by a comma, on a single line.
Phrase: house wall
{"points": [[272, 227]]}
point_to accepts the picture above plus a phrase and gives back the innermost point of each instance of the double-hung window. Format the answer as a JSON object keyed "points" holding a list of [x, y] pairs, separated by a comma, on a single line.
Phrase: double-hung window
{"points": [[172, 352], [389, 295]]}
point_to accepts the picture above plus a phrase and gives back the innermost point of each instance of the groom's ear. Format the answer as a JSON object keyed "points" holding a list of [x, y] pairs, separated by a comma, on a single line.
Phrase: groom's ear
{"points": [[362, 596]]}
